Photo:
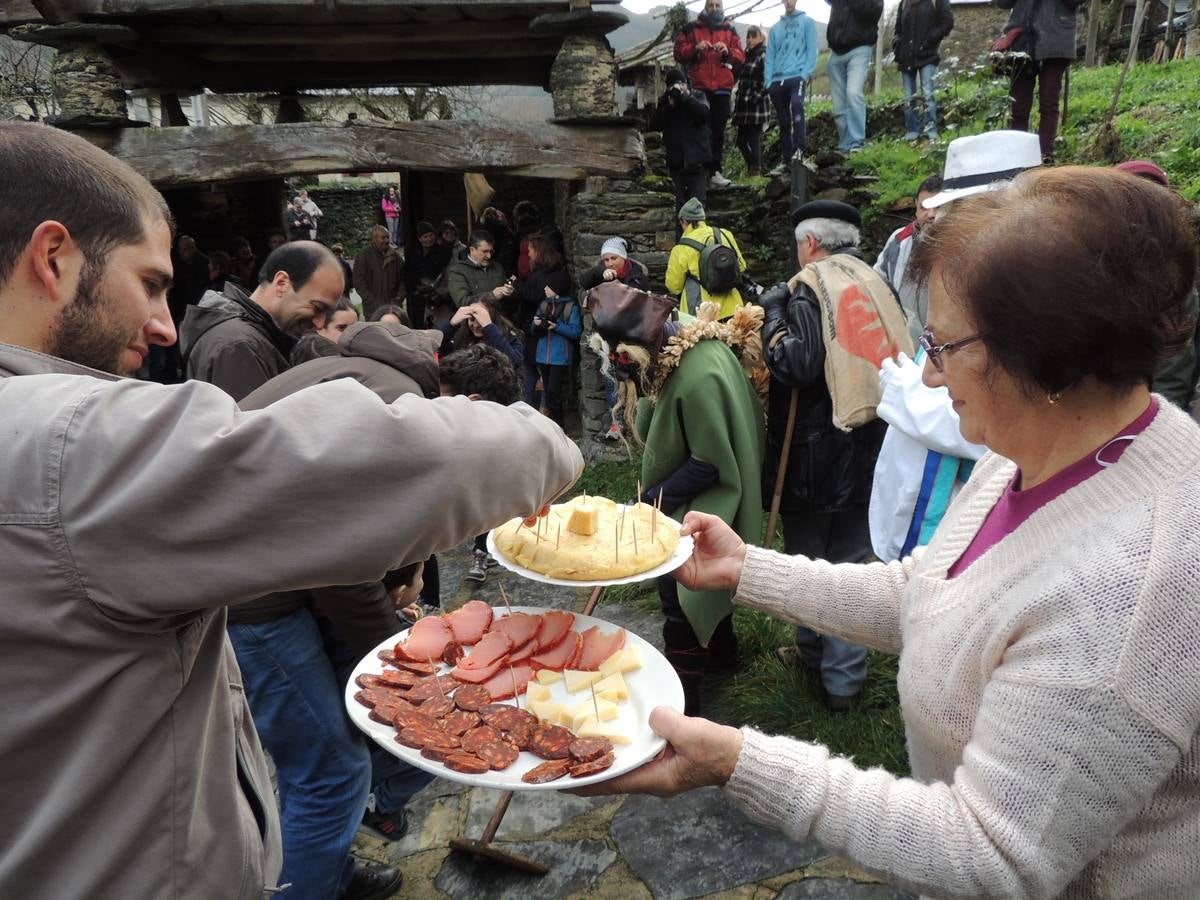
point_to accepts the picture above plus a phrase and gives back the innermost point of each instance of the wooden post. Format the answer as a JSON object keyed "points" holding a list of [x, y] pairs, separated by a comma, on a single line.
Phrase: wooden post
{"points": [[1093, 33], [879, 45]]}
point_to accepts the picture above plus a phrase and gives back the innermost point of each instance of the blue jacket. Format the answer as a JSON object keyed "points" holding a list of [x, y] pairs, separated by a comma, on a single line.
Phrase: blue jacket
{"points": [[557, 347], [791, 49]]}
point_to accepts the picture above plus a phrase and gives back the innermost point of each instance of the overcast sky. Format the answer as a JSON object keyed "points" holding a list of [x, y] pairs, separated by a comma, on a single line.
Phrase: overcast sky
{"points": [[764, 13]]}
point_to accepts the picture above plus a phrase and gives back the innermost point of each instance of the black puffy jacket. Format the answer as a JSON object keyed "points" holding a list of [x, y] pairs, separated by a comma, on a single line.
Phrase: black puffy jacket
{"points": [[685, 131], [829, 470], [921, 25], [853, 23]]}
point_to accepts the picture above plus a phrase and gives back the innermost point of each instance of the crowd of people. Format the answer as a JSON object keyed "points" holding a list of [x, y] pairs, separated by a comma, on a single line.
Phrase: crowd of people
{"points": [[1020, 470]]}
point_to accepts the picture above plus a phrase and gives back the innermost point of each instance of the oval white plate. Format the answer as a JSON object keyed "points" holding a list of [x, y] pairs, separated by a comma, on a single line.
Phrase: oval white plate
{"points": [[681, 555], [654, 684]]}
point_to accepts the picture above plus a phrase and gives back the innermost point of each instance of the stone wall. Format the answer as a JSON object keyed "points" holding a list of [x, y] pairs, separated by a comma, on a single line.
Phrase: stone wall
{"points": [[349, 214]]}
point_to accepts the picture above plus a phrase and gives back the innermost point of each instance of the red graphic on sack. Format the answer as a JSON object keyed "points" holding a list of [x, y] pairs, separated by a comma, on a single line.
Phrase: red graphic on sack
{"points": [[859, 329]]}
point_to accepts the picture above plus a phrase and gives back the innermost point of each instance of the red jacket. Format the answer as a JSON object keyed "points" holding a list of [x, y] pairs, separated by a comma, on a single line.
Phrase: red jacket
{"points": [[710, 70]]}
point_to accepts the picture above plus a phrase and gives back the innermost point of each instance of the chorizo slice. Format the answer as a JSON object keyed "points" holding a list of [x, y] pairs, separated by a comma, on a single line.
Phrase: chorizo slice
{"points": [[466, 763], [477, 737], [592, 767], [550, 741], [453, 653], [460, 722], [498, 754], [585, 749], [547, 771]]}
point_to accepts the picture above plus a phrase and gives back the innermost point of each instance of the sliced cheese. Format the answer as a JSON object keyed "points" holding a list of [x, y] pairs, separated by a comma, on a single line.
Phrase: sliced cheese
{"points": [[585, 722], [613, 696], [537, 691], [624, 660], [609, 730], [614, 682], [587, 710], [585, 520], [548, 676], [579, 681], [546, 710]]}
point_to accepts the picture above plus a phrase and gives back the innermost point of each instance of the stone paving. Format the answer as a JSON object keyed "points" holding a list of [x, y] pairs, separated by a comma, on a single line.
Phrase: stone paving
{"points": [[694, 845]]}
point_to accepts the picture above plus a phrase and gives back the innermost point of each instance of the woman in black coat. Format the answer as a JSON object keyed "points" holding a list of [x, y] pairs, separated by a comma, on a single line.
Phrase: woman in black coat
{"points": [[921, 26], [1049, 39]]}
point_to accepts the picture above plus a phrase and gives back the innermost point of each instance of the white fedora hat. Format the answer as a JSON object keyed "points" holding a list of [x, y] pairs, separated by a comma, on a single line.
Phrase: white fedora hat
{"points": [[984, 162]]}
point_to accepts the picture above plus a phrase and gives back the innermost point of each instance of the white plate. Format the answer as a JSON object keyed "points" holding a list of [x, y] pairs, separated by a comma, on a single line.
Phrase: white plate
{"points": [[682, 554], [654, 684]]}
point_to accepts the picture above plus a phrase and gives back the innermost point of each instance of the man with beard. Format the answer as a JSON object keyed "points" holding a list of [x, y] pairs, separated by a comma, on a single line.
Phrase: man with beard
{"points": [[132, 514], [239, 341]]}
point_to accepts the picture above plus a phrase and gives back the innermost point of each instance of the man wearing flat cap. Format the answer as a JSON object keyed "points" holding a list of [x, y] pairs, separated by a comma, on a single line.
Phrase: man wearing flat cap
{"points": [[825, 334]]}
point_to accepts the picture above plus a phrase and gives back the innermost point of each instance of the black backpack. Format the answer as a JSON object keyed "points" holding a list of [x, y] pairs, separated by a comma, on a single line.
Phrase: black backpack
{"points": [[719, 269]]}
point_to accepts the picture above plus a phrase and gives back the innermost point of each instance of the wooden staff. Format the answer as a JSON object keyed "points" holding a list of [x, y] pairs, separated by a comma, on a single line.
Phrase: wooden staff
{"points": [[784, 455]]}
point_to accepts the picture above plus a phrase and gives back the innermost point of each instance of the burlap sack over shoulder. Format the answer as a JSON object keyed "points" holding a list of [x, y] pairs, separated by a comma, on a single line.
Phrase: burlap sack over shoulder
{"points": [[862, 324]]}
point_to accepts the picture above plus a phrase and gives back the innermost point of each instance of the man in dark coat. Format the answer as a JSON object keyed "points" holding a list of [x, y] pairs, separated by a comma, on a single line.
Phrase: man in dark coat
{"points": [[1049, 39], [712, 51], [239, 341], [682, 117], [191, 281], [828, 482], [921, 26], [852, 32]]}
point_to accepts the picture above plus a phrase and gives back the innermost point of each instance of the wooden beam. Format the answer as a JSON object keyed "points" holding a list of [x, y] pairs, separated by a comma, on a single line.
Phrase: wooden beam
{"points": [[176, 157], [382, 53], [333, 36]]}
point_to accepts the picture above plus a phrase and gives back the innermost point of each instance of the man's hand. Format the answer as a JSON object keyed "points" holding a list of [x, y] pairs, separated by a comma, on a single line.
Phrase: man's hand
{"points": [[720, 46], [549, 292], [505, 290], [703, 45], [716, 563], [699, 753]]}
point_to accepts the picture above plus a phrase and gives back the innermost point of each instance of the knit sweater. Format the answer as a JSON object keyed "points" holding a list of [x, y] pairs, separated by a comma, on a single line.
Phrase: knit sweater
{"points": [[1051, 692]]}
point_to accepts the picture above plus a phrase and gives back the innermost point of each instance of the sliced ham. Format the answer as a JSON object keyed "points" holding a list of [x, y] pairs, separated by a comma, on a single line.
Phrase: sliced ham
{"points": [[477, 676], [520, 627], [500, 685], [597, 647], [426, 640], [524, 652], [492, 646], [555, 626], [560, 656], [470, 621]]}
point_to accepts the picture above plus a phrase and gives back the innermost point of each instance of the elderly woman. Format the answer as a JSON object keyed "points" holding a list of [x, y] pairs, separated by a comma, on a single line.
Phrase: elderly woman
{"points": [[1049, 635]]}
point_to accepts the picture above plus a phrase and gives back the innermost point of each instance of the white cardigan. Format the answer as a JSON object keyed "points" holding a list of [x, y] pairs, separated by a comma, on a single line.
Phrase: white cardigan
{"points": [[1051, 692]]}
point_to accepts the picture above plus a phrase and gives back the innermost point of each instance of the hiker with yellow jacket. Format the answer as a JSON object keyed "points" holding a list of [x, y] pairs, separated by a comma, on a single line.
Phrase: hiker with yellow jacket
{"points": [[686, 275]]}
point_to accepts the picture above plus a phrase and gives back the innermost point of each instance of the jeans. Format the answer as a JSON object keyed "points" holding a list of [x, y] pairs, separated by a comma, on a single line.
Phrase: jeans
{"points": [[688, 183], [912, 110], [610, 395], [1049, 76], [788, 100], [720, 104], [393, 227], [847, 82], [838, 537], [553, 381], [323, 766]]}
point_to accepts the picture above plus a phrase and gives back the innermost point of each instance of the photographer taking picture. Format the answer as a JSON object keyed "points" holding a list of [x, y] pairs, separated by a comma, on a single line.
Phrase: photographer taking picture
{"points": [[682, 117]]}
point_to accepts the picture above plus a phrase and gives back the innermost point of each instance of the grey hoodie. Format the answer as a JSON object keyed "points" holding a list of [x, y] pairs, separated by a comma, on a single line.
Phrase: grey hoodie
{"points": [[131, 514], [230, 341]]}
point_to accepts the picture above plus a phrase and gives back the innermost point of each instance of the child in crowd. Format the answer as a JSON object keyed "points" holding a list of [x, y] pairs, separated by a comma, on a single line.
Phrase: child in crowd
{"points": [[390, 312], [480, 372], [557, 324]]}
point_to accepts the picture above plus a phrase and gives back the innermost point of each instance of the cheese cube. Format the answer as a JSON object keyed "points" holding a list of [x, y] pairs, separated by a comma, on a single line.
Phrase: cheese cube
{"points": [[609, 730], [579, 681], [613, 696], [585, 722], [537, 691], [614, 682], [585, 520], [548, 676], [624, 660], [587, 710], [546, 710]]}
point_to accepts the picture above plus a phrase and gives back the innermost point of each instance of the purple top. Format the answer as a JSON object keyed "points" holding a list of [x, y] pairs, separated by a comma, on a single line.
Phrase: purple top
{"points": [[1016, 505]]}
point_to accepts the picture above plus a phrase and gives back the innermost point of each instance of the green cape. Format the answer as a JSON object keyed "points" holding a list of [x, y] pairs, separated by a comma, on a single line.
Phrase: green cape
{"points": [[708, 409]]}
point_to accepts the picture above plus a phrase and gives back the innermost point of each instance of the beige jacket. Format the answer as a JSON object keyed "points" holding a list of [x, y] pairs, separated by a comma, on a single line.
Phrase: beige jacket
{"points": [[130, 514]]}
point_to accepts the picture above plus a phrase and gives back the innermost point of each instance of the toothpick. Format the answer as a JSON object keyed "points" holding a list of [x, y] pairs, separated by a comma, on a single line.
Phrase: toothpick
{"points": [[635, 549], [621, 524], [616, 542], [504, 597], [595, 705], [654, 523], [517, 699], [436, 680], [639, 492], [558, 536]]}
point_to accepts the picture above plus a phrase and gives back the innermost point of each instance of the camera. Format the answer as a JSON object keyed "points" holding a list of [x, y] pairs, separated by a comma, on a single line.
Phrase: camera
{"points": [[676, 90]]}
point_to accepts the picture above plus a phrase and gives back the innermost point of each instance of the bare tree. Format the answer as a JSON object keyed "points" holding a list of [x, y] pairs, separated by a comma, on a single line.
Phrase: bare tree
{"points": [[26, 80]]}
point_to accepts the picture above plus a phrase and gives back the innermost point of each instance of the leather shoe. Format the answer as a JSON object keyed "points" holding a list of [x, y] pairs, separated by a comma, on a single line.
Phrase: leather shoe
{"points": [[372, 881]]}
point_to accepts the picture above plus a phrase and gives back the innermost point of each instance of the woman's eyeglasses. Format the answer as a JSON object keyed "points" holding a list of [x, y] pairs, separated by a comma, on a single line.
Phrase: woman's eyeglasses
{"points": [[935, 351]]}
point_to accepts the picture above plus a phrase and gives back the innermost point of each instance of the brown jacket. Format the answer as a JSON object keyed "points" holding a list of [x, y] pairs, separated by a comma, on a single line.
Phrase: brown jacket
{"points": [[378, 278], [130, 515]]}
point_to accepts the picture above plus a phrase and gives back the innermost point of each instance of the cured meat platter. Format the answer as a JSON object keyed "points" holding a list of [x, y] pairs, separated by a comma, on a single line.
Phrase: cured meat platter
{"points": [[440, 696]]}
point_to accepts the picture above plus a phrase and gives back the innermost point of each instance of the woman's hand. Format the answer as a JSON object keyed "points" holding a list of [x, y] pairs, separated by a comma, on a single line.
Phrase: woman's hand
{"points": [[461, 314], [609, 274], [699, 753], [549, 292], [481, 315], [716, 563]]}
